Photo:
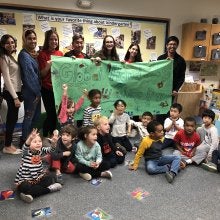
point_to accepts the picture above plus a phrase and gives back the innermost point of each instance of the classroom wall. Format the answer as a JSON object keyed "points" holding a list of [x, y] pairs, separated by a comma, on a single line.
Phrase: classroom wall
{"points": [[178, 12]]}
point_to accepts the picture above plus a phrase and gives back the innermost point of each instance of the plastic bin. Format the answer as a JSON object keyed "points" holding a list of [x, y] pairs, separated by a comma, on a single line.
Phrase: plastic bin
{"points": [[189, 97]]}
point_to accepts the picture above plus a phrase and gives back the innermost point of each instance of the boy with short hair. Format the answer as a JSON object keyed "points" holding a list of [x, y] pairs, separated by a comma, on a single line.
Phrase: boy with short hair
{"points": [[172, 125], [151, 148], [142, 126], [187, 140], [110, 152], [209, 137]]}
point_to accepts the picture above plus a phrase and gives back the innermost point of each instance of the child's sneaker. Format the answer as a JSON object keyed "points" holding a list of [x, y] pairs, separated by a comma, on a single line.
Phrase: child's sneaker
{"points": [[170, 176], [209, 166], [59, 179], [55, 187], [26, 198], [86, 176], [107, 174]]}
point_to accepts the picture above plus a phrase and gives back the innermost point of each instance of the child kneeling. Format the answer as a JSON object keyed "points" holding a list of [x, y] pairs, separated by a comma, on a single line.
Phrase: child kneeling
{"points": [[31, 180], [151, 148], [89, 155]]}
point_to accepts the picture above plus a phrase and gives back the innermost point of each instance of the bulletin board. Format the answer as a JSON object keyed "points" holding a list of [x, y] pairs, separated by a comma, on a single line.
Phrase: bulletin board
{"points": [[150, 33]]}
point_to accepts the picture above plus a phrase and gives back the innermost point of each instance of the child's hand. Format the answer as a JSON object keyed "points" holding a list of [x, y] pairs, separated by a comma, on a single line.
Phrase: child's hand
{"points": [[132, 167], [33, 134], [85, 93], [65, 87], [49, 64], [119, 153], [54, 138], [66, 153], [93, 164]]}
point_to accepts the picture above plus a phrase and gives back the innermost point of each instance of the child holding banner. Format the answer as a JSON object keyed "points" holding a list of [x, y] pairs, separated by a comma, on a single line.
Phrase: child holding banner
{"points": [[92, 112], [68, 108]]}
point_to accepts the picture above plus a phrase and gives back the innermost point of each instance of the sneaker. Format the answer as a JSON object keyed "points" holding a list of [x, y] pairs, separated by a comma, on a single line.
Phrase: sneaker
{"points": [[59, 179], [9, 150], [188, 161], [86, 176], [182, 164], [26, 198], [170, 176], [209, 166], [55, 187], [107, 174]]}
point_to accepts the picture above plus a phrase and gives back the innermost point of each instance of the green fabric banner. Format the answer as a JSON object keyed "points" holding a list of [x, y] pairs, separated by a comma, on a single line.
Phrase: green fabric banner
{"points": [[143, 86]]}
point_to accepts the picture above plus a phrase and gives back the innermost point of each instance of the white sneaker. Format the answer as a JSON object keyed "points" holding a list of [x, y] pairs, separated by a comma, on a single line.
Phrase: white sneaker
{"points": [[86, 176], [107, 174], [55, 187], [26, 198], [209, 166]]}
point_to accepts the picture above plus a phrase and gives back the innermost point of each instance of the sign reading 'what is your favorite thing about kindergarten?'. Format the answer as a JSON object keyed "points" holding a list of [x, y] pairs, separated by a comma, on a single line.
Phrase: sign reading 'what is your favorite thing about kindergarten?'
{"points": [[143, 86]]}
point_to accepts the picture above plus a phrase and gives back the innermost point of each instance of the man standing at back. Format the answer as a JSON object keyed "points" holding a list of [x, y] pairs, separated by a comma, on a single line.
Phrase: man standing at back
{"points": [[179, 64], [77, 47]]}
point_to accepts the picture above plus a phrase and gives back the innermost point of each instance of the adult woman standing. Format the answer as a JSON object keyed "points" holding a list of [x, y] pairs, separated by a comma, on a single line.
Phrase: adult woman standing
{"points": [[50, 47], [12, 88], [133, 54], [108, 51], [30, 76]]}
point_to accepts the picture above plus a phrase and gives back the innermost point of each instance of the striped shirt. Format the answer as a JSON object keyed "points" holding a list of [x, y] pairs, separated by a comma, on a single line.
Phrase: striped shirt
{"points": [[90, 115], [31, 168]]}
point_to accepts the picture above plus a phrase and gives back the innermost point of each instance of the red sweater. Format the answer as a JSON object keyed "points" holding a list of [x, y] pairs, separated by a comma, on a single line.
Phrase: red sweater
{"points": [[43, 57]]}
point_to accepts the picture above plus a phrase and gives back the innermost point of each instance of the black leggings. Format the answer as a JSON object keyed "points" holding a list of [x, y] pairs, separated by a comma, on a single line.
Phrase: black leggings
{"points": [[81, 168], [11, 118], [37, 189]]}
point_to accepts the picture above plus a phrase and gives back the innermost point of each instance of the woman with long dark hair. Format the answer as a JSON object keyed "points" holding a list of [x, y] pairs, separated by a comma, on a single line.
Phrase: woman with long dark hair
{"points": [[50, 47], [30, 76], [12, 88]]}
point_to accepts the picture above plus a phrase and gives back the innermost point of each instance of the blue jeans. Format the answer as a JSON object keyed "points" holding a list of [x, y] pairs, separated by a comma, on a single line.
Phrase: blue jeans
{"points": [[163, 164], [32, 111]]}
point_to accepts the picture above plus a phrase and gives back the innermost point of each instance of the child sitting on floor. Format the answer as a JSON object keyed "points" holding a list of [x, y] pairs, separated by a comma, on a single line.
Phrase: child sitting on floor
{"points": [[172, 125], [187, 140], [68, 108], [88, 152], [31, 180], [209, 138], [110, 152], [63, 158], [151, 148], [142, 127], [92, 112], [121, 125]]}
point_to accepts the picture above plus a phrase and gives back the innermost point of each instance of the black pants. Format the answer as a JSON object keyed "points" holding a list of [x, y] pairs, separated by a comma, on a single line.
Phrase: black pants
{"points": [[113, 159], [37, 189], [11, 118], [50, 122], [124, 141], [82, 168]]}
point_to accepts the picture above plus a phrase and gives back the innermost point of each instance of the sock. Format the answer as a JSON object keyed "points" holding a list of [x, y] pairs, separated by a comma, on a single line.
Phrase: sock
{"points": [[188, 161]]}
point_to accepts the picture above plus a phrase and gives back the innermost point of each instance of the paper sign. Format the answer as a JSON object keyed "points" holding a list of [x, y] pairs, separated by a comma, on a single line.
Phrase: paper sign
{"points": [[147, 33], [136, 26], [92, 29], [45, 26], [28, 19], [115, 32]]}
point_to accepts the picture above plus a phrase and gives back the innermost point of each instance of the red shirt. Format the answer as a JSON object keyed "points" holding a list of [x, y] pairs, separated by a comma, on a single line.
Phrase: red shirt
{"points": [[43, 57], [185, 141]]}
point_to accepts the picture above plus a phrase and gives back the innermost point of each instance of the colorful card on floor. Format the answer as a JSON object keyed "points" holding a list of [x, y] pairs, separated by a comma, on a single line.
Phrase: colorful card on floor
{"points": [[98, 214], [139, 194], [96, 182], [7, 194], [40, 213]]}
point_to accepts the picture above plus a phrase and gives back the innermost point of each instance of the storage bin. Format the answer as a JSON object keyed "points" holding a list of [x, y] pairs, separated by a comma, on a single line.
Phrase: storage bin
{"points": [[189, 97]]}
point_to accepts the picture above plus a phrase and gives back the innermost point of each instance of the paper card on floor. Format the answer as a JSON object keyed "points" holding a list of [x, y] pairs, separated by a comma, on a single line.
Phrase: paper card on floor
{"points": [[41, 213], [139, 194], [98, 214], [7, 194], [96, 182]]}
